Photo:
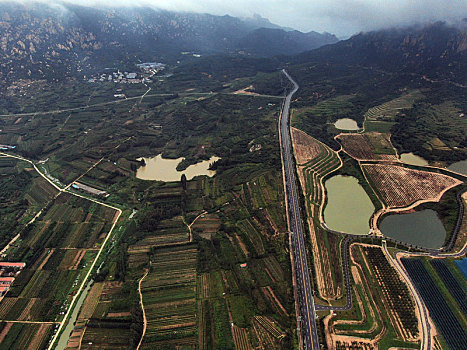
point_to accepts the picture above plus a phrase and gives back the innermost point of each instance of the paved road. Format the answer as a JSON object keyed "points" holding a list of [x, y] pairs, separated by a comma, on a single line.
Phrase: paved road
{"points": [[305, 292]]}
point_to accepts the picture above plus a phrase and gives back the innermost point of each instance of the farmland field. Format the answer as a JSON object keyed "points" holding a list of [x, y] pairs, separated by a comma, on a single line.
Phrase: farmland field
{"points": [[20, 336], [383, 313], [104, 319], [396, 294], [368, 146], [23, 193], [451, 327], [206, 263], [456, 288], [169, 293], [400, 187], [306, 148], [58, 248]]}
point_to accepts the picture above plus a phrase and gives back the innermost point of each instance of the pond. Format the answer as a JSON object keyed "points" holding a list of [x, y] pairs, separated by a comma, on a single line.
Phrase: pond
{"points": [[161, 169], [348, 208], [413, 159], [460, 167], [346, 124], [421, 228]]}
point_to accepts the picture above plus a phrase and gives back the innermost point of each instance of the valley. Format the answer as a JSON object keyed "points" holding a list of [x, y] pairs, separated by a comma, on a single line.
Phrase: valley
{"points": [[191, 181]]}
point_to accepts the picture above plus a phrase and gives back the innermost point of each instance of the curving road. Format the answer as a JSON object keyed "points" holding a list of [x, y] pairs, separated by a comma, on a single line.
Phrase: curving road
{"points": [[307, 318]]}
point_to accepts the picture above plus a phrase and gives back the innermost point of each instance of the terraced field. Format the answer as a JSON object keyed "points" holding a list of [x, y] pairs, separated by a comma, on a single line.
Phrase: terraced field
{"points": [[314, 170], [206, 225], [321, 162], [381, 117], [169, 232], [382, 311], [169, 293]]}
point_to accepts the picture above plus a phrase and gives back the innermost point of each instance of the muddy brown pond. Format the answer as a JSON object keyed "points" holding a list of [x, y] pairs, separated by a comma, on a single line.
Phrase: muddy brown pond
{"points": [[161, 169]]}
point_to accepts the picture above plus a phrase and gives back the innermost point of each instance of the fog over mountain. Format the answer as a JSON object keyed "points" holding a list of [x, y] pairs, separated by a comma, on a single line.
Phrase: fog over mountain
{"points": [[342, 17]]}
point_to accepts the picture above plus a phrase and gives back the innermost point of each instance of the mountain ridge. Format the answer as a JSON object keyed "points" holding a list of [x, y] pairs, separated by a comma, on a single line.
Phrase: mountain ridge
{"points": [[42, 41], [435, 50]]}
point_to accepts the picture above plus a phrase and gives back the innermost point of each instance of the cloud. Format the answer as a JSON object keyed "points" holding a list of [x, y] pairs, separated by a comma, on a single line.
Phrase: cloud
{"points": [[342, 17]]}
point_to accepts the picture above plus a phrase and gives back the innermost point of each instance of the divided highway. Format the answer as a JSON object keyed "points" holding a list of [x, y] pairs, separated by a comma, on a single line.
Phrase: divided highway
{"points": [[307, 318]]}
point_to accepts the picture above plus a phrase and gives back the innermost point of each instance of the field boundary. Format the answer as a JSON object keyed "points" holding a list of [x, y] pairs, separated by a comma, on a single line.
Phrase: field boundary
{"points": [[86, 278]]}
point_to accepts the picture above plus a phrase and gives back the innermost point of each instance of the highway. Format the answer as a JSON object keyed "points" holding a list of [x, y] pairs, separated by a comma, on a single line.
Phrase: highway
{"points": [[307, 317]]}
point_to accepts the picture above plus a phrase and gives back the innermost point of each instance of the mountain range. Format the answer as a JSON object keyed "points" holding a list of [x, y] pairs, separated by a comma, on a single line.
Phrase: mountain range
{"points": [[39, 40]]}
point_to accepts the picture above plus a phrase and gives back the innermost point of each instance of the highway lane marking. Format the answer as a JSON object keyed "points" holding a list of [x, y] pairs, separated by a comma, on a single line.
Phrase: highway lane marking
{"points": [[299, 241]]}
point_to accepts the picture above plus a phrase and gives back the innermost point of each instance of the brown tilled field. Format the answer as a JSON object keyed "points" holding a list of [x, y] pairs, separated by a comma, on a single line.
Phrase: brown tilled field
{"points": [[401, 187], [369, 146], [207, 225], [305, 146]]}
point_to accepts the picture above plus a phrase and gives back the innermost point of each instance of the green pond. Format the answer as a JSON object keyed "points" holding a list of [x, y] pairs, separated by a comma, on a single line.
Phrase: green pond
{"points": [[421, 228], [460, 167], [348, 208], [346, 124], [413, 159]]}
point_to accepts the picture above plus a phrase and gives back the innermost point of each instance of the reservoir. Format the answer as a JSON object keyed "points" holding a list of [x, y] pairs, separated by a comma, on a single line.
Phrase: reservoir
{"points": [[346, 124], [460, 167], [422, 228], [161, 169], [348, 207], [413, 159]]}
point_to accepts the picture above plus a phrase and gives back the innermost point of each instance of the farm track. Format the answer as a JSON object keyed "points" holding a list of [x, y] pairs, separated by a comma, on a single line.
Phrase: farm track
{"points": [[194, 220], [145, 321]]}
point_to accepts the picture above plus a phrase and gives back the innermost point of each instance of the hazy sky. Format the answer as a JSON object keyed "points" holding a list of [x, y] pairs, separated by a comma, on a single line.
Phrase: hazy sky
{"points": [[341, 17]]}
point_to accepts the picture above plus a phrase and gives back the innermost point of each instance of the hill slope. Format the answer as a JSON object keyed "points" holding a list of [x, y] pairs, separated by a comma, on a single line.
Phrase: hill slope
{"points": [[436, 50]]}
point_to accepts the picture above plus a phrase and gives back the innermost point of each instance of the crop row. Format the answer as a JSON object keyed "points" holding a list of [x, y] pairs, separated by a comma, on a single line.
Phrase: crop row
{"points": [[169, 293], [457, 291], [391, 108], [394, 290], [400, 186], [442, 315], [19, 336]]}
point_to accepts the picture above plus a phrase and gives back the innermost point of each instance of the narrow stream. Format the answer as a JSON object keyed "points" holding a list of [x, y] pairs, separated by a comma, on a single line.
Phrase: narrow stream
{"points": [[65, 336]]}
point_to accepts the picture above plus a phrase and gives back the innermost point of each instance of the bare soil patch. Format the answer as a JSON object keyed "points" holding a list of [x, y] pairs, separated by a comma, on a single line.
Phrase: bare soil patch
{"points": [[305, 147]]}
